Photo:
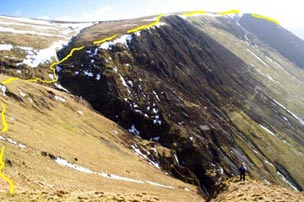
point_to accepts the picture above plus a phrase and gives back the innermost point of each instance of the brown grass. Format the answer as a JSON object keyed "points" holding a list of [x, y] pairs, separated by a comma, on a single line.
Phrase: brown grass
{"points": [[252, 190], [47, 125]]}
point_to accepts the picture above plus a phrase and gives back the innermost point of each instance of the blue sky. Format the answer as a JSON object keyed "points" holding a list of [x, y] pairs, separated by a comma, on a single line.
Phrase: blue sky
{"points": [[288, 12]]}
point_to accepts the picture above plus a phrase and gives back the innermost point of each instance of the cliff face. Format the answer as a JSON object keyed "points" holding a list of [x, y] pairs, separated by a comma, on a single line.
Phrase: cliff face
{"points": [[203, 87]]}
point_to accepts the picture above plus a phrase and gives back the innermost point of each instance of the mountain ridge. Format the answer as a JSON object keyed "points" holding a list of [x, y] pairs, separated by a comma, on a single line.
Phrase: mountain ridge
{"points": [[127, 60], [172, 86]]}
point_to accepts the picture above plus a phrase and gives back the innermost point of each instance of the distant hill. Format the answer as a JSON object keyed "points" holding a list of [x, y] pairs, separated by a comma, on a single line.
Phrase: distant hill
{"points": [[282, 40]]}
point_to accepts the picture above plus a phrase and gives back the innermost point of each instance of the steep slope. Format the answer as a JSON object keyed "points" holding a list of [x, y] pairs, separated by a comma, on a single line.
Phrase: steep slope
{"points": [[233, 190], [280, 39], [57, 147], [201, 86]]}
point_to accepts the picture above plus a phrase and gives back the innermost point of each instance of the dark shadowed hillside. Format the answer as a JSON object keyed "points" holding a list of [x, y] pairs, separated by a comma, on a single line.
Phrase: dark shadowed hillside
{"points": [[201, 87], [282, 40]]}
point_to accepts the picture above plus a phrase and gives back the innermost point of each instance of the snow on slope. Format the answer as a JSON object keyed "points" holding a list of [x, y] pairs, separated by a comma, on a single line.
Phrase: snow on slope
{"points": [[38, 39]]}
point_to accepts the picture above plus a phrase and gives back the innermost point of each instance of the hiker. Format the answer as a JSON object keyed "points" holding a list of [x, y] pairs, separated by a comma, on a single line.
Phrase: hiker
{"points": [[243, 170]]}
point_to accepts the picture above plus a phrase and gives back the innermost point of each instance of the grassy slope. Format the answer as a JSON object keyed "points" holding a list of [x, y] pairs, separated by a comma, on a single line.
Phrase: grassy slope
{"points": [[47, 125], [285, 86], [251, 190]]}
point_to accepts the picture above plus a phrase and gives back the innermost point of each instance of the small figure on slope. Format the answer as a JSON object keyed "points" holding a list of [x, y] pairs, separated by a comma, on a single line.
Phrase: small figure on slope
{"points": [[243, 170]]}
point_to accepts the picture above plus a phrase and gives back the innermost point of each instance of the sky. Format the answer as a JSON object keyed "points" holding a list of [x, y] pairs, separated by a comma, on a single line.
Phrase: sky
{"points": [[288, 12]]}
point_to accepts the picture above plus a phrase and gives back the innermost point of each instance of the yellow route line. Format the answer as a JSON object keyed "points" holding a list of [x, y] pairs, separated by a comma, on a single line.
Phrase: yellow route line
{"points": [[194, 13], [5, 126], [265, 18], [229, 12], [8, 81], [147, 26], [201, 12], [105, 39], [52, 67], [2, 164]]}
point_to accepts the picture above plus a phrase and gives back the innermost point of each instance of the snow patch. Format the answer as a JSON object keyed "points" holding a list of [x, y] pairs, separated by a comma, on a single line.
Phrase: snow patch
{"points": [[87, 73], [290, 112], [5, 47], [59, 86], [58, 98], [130, 83], [21, 93], [65, 163], [124, 39], [3, 89], [159, 185], [156, 96], [79, 112], [257, 57], [139, 153], [133, 130], [97, 77], [124, 83], [269, 163], [116, 177], [34, 58], [176, 159], [267, 130], [7, 139], [156, 139], [287, 181]]}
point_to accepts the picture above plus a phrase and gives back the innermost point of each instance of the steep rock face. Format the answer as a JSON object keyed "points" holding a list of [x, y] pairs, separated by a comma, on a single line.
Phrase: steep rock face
{"points": [[179, 85], [287, 44]]}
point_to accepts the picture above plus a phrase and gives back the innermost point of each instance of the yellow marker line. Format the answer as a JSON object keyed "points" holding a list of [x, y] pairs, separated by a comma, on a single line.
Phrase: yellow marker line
{"points": [[146, 26], [2, 164], [229, 12], [105, 39], [194, 13], [53, 69], [265, 18], [201, 12], [8, 81], [5, 126]]}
